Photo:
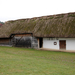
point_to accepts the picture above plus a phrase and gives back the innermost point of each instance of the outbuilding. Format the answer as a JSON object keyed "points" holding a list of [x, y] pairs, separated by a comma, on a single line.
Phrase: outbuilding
{"points": [[52, 32]]}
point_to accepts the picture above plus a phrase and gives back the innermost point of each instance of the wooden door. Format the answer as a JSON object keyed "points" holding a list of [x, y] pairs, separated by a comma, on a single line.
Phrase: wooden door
{"points": [[62, 44]]}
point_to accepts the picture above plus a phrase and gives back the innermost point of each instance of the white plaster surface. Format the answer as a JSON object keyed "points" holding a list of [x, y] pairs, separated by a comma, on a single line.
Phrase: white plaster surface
{"points": [[49, 43]]}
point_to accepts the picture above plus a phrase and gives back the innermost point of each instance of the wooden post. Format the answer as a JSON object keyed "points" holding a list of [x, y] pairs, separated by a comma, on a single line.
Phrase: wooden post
{"points": [[31, 41], [38, 42]]}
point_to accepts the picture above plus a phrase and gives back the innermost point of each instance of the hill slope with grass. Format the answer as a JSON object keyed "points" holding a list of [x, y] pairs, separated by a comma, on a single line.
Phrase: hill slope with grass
{"points": [[21, 61]]}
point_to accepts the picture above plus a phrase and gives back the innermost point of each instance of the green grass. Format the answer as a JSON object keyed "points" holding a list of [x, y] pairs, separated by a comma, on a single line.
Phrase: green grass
{"points": [[21, 61]]}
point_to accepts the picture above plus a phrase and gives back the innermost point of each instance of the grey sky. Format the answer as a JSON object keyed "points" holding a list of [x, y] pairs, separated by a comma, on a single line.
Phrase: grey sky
{"points": [[18, 9]]}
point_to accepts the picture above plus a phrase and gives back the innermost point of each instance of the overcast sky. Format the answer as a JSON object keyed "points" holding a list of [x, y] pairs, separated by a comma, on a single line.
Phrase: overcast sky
{"points": [[19, 9]]}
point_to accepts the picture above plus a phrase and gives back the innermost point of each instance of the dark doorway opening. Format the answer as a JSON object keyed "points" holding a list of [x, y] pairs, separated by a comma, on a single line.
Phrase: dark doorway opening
{"points": [[40, 42], [62, 44]]}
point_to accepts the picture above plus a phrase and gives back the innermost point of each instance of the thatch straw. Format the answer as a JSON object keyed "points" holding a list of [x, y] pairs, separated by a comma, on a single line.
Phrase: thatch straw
{"points": [[61, 25]]}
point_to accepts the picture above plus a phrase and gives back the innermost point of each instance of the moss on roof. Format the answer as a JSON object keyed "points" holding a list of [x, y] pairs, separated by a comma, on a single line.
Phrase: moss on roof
{"points": [[61, 25]]}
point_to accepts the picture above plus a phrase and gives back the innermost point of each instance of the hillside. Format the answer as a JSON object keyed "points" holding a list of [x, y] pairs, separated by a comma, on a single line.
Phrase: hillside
{"points": [[22, 61]]}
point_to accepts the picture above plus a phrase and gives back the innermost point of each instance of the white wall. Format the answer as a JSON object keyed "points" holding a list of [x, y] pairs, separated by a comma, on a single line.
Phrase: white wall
{"points": [[49, 43], [70, 43]]}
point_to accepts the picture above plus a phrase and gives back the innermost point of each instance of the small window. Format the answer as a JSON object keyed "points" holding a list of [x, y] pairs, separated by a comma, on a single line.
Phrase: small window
{"points": [[48, 39], [56, 38], [51, 38], [55, 43]]}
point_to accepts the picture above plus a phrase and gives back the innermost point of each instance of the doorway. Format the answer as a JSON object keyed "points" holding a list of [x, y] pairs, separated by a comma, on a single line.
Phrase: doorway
{"points": [[62, 44], [40, 42]]}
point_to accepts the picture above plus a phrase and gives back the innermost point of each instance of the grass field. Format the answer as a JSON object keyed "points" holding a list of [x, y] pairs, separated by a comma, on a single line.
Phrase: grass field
{"points": [[21, 61]]}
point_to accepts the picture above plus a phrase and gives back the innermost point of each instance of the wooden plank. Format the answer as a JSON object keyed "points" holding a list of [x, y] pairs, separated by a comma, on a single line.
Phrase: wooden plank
{"points": [[17, 35], [4, 40]]}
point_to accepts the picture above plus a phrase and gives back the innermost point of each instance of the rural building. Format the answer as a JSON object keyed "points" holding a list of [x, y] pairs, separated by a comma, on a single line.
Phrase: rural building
{"points": [[52, 32]]}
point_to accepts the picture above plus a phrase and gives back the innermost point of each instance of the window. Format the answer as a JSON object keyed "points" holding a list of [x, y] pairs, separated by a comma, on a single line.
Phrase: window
{"points": [[55, 43]]}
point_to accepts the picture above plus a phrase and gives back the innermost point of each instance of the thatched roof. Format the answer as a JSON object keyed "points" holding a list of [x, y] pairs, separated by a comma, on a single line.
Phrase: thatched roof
{"points": [[61, 25]]}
